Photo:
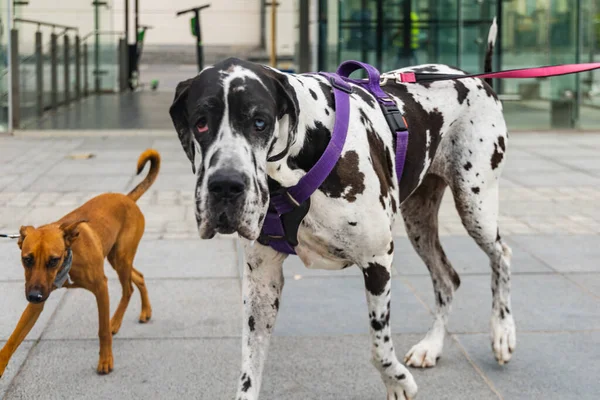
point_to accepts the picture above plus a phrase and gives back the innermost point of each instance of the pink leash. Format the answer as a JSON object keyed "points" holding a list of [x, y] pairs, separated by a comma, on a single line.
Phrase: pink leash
{"points": [[538, 72]]}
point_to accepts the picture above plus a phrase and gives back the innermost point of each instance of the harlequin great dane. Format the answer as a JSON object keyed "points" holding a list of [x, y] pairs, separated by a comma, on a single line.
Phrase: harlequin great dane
{"points": [[250, 130]]}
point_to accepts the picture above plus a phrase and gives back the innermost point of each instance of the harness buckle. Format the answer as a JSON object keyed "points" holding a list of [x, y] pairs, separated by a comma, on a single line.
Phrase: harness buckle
{"points": [[340, 84], [393, 116]]}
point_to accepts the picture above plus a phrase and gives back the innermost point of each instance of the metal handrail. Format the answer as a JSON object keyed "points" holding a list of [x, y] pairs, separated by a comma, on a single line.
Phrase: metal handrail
{"points": [[115, 33], [43, 23]]}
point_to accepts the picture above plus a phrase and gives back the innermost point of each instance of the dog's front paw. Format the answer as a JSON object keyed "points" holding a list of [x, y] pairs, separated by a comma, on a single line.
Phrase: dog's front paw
{"points": [[105, 365], [402, 387], [425, 353], [504, 337], [145, 315]]}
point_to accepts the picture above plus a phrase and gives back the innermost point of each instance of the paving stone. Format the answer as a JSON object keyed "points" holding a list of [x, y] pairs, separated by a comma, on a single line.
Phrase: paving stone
{"points": [[589, 281], [180, 309], [186, 258], [535, 373], [564, 253], [324, 368], [10, 261], [13, 305], [13, 366], [465, 256], [327, 306], [539, 303]]}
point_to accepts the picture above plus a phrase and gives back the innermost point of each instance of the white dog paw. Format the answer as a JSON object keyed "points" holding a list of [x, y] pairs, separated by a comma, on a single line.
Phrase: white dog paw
{"points": [[402, 387], [425, 353], [504, 338]]}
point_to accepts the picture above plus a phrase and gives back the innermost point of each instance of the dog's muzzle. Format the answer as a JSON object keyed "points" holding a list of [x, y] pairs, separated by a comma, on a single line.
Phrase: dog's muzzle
{"points": [[226, 195]]}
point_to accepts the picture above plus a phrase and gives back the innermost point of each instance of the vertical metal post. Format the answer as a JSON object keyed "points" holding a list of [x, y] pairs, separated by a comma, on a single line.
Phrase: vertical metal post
{"points": [[77, 67], [274, 33], [263, 25], [199, 49], [379, 34], [123, 64], [53, 71], [67, 63], [323, 32], [14, 66], [39, 74], [86, 86], [97, 47], [304, 41], [126, 21]]}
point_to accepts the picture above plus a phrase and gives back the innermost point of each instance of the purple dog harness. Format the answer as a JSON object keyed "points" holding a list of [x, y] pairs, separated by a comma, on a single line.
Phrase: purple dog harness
{"points": [[289, 206]]}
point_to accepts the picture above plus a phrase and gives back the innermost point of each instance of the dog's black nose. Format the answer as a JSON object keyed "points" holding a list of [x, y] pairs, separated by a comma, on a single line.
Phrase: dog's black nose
{"points": [[226, 184], [35, 296]]}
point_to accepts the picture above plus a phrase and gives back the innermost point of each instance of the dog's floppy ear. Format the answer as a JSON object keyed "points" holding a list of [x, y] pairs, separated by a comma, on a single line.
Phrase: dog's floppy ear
{"points": [[71, 231], [179, 117], [287, 105], [24, 231]]}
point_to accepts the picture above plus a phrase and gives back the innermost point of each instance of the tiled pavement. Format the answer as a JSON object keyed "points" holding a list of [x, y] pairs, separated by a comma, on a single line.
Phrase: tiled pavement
{"points": [[191, 348]]}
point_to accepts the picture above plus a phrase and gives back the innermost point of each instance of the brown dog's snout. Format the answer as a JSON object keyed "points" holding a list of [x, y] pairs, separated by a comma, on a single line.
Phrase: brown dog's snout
{"points": [[226, 184], [35, 295]]}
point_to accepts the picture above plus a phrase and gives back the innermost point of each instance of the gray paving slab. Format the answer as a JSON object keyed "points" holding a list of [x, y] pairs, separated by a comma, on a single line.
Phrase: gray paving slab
{"points": [[324, 368], [465, 256], [14, 365], [555, 179], [589, 281], [544, 366], [160, 214], [12, 295], [180, 309], [578, 253], [539, 303], [10, 261], [44, 215], [328, 306], [187, 259], [172, 181]]}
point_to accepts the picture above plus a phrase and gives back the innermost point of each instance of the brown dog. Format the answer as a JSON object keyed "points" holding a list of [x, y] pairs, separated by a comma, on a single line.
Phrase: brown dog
{"points": [[74, 247]]}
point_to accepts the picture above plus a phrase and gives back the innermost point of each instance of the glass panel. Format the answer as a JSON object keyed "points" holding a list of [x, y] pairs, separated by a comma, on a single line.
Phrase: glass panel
{"points": [[106, 45], [357, 30]]}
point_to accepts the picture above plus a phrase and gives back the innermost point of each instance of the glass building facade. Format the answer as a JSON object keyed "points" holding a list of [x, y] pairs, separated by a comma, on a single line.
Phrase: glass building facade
{"points": [[394, 33]]}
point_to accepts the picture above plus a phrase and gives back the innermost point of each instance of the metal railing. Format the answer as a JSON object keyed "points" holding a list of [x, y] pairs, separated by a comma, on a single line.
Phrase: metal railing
{"points": [[55, 71]]}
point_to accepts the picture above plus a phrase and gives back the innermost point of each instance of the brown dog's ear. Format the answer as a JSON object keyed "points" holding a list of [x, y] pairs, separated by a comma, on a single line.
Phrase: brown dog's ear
{"points": [[179, 117], [71, 231], [24, 231]]}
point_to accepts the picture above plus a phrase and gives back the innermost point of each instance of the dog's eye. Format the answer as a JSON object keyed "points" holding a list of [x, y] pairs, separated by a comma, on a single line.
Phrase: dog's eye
{"points": [[259, 124], [28, 261], [53, 262], [202, 125]]}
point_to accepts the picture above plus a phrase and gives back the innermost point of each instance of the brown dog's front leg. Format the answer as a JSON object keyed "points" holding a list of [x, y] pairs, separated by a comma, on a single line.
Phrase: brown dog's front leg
{"points": [[105, 364], [28, 319]]}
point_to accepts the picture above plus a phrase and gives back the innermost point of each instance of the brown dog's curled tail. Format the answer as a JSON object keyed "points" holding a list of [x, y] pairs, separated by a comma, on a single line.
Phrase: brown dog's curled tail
{"points": [[154, 158]]}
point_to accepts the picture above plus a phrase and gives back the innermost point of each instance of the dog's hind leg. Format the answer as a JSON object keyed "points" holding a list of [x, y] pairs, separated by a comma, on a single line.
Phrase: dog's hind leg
{"points": [[420, 213], [122, 263], [478, 209], [398, 380], [261, 292], [140, 283]]}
